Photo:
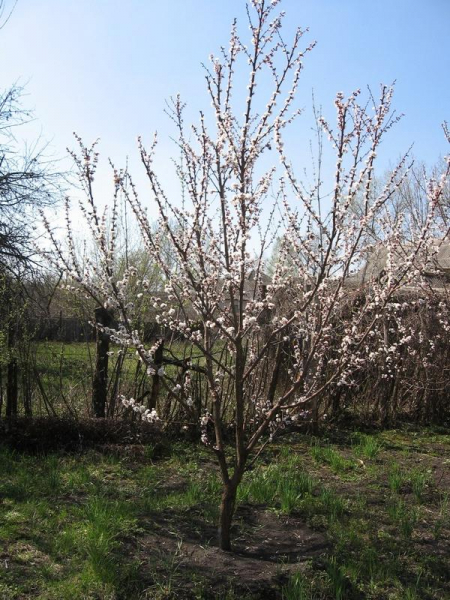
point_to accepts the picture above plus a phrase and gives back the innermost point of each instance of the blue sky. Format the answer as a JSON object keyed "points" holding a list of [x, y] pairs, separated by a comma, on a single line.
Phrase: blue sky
{"points": [[105, 67]]}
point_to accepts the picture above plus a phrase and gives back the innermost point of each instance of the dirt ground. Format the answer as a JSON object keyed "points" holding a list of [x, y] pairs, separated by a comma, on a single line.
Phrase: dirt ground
{"points": [[267, 548]]}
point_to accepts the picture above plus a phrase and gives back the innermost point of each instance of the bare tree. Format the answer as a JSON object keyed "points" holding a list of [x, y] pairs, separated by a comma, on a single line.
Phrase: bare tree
{"points": [[28, 181]]}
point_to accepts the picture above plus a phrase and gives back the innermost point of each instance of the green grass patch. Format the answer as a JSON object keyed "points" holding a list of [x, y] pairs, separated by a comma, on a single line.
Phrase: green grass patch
{"points": [[328, 455], [93, 526]]}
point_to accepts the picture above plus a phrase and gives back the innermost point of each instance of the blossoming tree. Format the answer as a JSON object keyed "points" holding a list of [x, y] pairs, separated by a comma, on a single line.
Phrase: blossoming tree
{"points": [[270, 348]]}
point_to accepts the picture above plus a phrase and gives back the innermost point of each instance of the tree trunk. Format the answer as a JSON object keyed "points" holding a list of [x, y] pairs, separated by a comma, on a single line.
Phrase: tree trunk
{"points": [[100, 381], [227, 507], [12, 391], [27, 393], [336, 401], [156, 377], [11, 388], [1, 391]]}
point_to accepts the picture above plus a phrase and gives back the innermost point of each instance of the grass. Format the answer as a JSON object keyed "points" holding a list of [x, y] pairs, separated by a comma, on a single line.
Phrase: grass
{"points": [[403, 517], [297, 588], [283, 484], [367, 446], [396, 478], [93, 526], [418, 480], [443, 516], [330, 456], [66, 370]]}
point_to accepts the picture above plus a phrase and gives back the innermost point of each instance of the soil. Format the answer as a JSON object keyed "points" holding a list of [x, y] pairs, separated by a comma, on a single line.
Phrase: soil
{"points": [[267, 549]]}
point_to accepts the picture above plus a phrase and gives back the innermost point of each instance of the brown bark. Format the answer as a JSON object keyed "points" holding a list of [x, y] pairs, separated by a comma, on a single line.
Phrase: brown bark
{"points": [[227, 508], [12, 390], [228, 504], [100, 381], [156, 377]]}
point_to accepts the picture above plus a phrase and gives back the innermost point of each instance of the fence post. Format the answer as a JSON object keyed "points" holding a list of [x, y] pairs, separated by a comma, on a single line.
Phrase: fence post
{"points": [[12, 390], [100, 381], [156, 377]]}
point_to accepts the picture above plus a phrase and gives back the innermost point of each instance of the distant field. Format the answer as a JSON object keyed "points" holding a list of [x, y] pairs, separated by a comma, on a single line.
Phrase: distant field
{"points": [[71, 359], [66, 371], [348, 516]]}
